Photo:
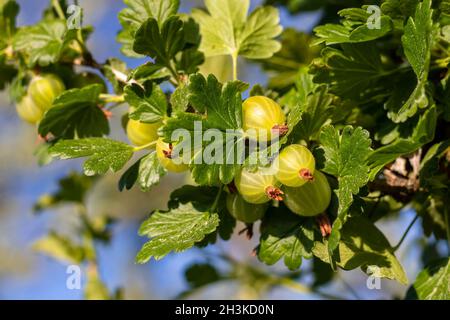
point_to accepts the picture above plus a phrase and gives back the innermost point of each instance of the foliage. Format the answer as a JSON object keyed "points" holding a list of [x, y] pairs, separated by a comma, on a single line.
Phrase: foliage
{"points": [[372, 105]]}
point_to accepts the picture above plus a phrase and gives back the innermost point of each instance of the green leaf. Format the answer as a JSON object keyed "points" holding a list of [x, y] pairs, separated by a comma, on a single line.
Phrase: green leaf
{"points": [[417, 38], [43, 42], [284, 234], [354, 28], [176, 230], [160, 43], [180, 99], [432, 283], [136, 13], [416, 42], [104, 154], [72, 188], [60, 248], [345, 158], [355, 73], [150, 104], [296, 52], [201, 198], [147, 172], [423, 134], [199, 275], [76, 113], [363, 245], [430, 170], [226, 29], [223, 108], [7, 72], [315, 113], [8, 14], [223, 104], [150, 172]]}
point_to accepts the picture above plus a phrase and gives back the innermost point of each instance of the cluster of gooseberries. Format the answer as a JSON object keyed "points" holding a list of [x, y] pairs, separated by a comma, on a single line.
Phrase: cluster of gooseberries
{"points": [[41, 92], [45, 88], [293, 178]]}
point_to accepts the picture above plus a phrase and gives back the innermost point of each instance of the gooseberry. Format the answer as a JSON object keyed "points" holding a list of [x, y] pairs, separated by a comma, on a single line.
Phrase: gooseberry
{"points": [[295, 166], [165, 156], [140, 133], [310, 199], [263, 118], [258, 187], [44, 89], [29, 111], [244, 211]]}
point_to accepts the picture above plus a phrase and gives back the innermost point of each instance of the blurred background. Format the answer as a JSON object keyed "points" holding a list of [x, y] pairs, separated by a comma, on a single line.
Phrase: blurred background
{"points": [[24, 274]]}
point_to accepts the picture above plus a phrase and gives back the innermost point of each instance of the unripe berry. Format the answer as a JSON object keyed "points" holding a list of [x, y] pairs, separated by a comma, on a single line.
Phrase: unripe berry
{"points": [[258, 187], [140, 133], [44, 89], [295, 166], [263, 118], [29, 111], [244, 211], [165, 157], [310, 199]]}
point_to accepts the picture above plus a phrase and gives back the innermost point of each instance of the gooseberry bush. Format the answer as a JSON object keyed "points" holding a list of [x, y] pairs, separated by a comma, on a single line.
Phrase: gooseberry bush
{"points": [[352, 127]]}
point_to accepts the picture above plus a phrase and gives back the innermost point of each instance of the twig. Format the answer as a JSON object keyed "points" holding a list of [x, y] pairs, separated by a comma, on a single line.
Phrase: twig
{"points": [[58, 9], [405, 233]]}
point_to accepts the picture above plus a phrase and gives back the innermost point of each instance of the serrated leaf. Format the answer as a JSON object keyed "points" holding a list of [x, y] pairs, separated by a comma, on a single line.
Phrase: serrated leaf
{"points": [[136, 13], [201, 198], [150, 172], [103, 154], [423, 133], [417, 47], [75, 113], [180, 99], [432, 283], [417, 38], [149, 104], [314, 114], [226, 29], [355, 72], [176, 230], [296, 52], [60, 248], [284, 234], [147, 172], [345, 156], [354, 28], [160, 43], [223, 104], [43, 42], [363, 245]]}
